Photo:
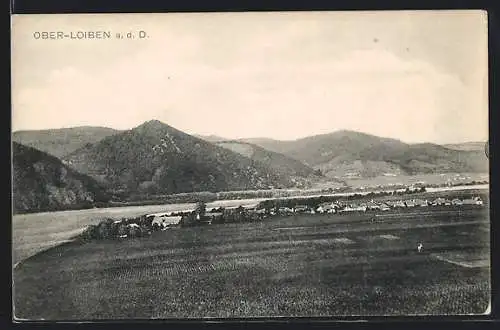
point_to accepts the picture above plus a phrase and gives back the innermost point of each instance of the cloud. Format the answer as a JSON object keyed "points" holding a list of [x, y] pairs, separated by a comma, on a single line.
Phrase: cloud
{"points": [[260, 86]]}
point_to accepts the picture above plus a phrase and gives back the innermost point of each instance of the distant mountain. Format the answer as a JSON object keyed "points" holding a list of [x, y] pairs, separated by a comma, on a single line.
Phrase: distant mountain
{"points": [[211, 138], [41, 182], [278, 162], [467, 146], [353, 154], [155, 158], [278, 146], [63, 141]]}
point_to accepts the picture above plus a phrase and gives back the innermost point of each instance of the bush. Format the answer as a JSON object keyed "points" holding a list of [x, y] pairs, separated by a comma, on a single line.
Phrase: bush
{"points": [[134, 231], [201, 208], [188, 220], [122, 229], [89, 233], [145, 222], [106, 229]]}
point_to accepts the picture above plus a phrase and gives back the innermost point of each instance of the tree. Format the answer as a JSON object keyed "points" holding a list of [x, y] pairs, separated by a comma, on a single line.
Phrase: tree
{"points": [[188, 220], [90, 233], [146, 222], [200, 209], [122, 229], [105, 229], [134, 231]]}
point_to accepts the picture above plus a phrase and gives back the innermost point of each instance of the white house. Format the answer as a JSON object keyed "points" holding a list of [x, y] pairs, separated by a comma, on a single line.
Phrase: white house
{"points": [[421, 202], [354, 208], [438, 201], [384, 207], [164, 220], [326, 208], [285, 210], [300, 208], [396, 204], [410, 203], [472, 201], [372, 206]]}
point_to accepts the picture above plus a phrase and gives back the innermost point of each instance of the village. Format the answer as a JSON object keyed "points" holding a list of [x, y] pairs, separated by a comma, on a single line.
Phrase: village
{"points": [[146, 224]]}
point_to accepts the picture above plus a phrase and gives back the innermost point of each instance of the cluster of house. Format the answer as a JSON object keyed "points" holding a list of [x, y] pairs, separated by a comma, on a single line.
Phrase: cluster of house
{"points": [[121, 228], [164, 221], [340, 207]]}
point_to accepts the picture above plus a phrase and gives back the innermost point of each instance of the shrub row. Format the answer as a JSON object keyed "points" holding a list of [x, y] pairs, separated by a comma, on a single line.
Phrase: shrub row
{"points": [[111, 228]]}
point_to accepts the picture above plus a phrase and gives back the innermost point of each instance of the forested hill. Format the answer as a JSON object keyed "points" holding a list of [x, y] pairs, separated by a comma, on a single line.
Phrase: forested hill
{"points": [[155, 158], [41, 182]]}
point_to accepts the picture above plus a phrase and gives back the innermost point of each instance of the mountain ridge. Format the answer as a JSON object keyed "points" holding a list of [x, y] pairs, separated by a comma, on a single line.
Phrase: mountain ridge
{"points": [[161, 159], [212, 138], [467, 146], [62, 141], [350, 153], [276, 161], [337, 154]]}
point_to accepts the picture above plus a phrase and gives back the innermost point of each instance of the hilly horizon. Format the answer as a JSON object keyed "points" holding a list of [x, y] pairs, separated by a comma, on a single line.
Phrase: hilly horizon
{"points": [[349, 153], [211, 138], [281, 144], [467, 146], [155, 158], [98, 132], [41, 182], [338, 155], [62, 141]]}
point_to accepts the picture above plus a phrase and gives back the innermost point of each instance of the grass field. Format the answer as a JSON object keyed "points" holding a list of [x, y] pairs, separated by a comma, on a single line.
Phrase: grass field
{"points": [[331, 265]]}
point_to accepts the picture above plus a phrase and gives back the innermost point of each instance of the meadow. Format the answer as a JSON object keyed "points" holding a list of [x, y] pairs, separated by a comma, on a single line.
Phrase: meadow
{"points": [[304, 265]]}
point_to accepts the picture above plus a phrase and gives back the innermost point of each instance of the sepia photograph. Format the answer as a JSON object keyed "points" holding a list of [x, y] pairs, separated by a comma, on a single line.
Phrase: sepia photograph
{"points": [[250, 165]]}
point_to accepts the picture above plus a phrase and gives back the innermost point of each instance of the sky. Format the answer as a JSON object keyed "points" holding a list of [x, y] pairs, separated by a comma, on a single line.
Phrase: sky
{"points": [[414, 76]]}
